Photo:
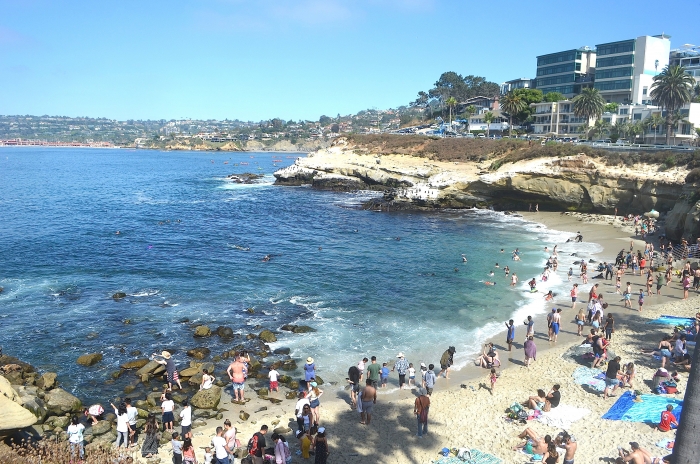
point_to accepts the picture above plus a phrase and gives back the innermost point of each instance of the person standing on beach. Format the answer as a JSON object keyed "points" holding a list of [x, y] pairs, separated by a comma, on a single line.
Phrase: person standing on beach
{"points": [[236, 374], [221, 449], [430, 380], [132, 413], [641, 299], [420, 408], [369, 399], [511, 334], [373, 372], [354, 378], [530, 327], [611, 377], [574, 295], [401, 366], [556, 323], [530, 350], [446, 361]]}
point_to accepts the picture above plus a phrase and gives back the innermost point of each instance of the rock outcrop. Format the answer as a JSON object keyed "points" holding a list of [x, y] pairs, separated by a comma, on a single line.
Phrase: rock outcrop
{"points": [[59, 401], [89, 359], [579, 182], [207, 399], [13, 417]]}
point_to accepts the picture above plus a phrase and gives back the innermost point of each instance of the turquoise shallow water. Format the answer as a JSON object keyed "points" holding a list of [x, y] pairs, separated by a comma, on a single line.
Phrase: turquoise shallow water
{"points": [[182, 225]]}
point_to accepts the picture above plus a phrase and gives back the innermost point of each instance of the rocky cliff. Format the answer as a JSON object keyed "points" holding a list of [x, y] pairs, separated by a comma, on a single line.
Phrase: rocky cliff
{"points": [[579, 182]]}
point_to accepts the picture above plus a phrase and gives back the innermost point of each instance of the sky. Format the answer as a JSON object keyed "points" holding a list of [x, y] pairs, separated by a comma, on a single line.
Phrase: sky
{"points": [[260, 59]]}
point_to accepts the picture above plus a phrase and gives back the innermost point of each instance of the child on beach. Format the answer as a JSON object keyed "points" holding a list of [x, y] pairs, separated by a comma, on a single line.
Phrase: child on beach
{"points": [[177, 448], [584, 276], [411, 375], [492, 378], [618, 284], [207, 455], [384, 373], [423, 370], [641, 299], [570, 273]]}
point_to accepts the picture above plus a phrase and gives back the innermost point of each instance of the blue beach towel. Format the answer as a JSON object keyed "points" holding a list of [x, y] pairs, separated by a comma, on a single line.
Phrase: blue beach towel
{"points": [[477, 457], [648, 410], [672, 320], [591, 377]]}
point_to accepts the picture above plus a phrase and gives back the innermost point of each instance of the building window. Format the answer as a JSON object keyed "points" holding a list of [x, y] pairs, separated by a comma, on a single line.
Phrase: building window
{"points": [[614, 61], [637, 116], [612, 73], [617, 47], [625, 84], [556, 69], [644, 91], [624, 111]]}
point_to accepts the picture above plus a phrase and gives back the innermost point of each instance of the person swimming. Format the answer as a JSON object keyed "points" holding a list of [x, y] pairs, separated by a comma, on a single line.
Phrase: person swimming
{"points": [[267, 258], [489, 283]]}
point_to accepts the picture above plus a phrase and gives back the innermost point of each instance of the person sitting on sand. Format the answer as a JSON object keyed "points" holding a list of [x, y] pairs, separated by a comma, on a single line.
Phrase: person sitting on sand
{"points": [[533, 443], [536, 402], [489, 357], [552, 399], [637, 455], [663, 351], [667, 419]]}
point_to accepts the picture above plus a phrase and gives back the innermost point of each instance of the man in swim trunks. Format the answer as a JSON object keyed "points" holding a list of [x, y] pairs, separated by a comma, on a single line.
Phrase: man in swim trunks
{"points": [[236, 374], [569, 444], [369, 399], [556, 322]]}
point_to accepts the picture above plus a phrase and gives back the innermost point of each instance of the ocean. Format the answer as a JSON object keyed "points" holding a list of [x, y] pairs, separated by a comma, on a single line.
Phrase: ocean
{"points": [[191, 246]]}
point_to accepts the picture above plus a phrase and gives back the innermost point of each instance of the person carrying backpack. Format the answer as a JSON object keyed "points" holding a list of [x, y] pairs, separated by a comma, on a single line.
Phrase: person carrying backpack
{"points": [[256, 445]]}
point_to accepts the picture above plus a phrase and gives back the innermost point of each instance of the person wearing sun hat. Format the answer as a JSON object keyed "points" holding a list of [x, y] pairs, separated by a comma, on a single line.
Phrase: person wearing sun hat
{"points": [[309, 369], [401, 366], [170, 368]]}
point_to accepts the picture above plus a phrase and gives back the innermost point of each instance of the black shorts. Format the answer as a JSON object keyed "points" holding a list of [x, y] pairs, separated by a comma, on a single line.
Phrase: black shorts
{"points": [[356, 387], [186, 429]]}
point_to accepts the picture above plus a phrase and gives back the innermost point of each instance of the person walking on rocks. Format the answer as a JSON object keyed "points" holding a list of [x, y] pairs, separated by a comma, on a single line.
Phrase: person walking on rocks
{"points": [[369, 399], [236, 372], [401, 367], [75, 437], [133, 414], [420, 409], [170, 368]]}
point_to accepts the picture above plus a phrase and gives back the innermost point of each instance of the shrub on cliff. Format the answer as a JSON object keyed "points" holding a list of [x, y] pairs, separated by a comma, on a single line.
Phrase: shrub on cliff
{"points": [[693, 176]]}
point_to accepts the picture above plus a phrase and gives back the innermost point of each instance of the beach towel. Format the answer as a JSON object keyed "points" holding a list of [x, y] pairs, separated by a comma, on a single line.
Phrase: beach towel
{"points": [[648, 410], [475, 457], [563, 416], [590, 377], [665, 319]]}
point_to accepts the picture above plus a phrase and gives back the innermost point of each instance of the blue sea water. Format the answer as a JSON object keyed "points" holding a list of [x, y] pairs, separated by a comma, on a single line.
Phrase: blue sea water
{"points": [[181, 253]]}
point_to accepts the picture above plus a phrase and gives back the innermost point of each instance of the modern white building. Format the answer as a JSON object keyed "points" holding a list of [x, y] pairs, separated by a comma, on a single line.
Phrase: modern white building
{"points": [[624, 70], [565, 72], [558, 119], [689, 58], [521, 83]]}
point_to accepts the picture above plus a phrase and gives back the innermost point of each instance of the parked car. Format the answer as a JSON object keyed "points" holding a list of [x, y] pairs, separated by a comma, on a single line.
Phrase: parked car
{"points": [[481, 136], [469, 135]]}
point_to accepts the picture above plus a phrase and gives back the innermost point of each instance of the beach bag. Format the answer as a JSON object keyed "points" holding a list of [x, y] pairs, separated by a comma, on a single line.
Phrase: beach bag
{"points": [[522, 415], [670, 386]]}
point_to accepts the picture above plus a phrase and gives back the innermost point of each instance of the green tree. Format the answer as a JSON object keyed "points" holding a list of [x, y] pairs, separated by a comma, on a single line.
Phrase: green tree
{"points": [[451, 103], [635, 129], [599, 128], [676, 118], [488, 119], [529, 96], [611, 108], [672, 89], [588, 104], [324, 120], [653, 122], [697, 136], [554, 97], [512, 104], [620, 129], [467, 113]]}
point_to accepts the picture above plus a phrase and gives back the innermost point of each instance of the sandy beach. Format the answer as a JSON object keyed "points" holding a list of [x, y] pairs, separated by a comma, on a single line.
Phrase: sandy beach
{"points": [[465, 413]]}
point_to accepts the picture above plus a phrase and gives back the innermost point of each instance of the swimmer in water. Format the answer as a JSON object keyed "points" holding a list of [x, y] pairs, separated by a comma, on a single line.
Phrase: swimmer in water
{"points": [[117, 233], [489, 283], [464, 258], [506, 270], [501, 250], [491, 273], [496, 266], [549, 296], [398, 239], [267, 258]]}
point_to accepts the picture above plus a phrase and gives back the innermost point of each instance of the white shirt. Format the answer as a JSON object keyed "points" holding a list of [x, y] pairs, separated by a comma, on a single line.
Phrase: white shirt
{"points": [[168, 406], [132, 413], [219, 444], [411, 372], [361, 366], [273, 375], [300, 406], [123, 423], [186, 416], [75, 433]]}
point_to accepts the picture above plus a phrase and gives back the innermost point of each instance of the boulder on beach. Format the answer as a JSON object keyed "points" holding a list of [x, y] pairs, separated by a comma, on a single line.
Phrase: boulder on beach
{"points": [[58, 401], [148, 368], [199, 353], [202, 331], [267, 336], [207, 399], [300, 329], [89, 359], [224, 332], [135, 364], [282, 351], [47, 381], [7, 391], [189, 372], [13, 417], [101, 428], [289, 365]]}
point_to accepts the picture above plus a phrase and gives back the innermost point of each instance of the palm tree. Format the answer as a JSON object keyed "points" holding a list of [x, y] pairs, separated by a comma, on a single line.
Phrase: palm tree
{"points": [[599, 128], [697, 136], [635, 129], [621, 128], [468, 111], [672, 89], [653, 122], [676, 118], [512, 103], [451, 103], [588, 104], [488, 119]]}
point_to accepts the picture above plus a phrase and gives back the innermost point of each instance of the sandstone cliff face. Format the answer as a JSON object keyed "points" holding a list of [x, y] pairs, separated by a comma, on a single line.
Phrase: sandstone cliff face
{"points": [[575, 182]]}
